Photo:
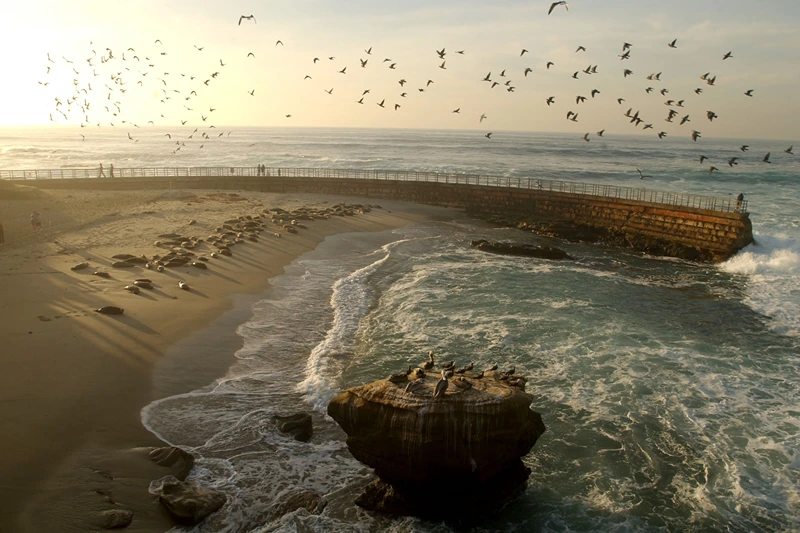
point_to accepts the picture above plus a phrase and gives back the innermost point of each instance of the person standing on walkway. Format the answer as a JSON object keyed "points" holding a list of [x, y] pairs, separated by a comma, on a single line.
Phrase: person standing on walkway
{"points": [[36, 221], [112, 170], [739, 200], [102, 174]]}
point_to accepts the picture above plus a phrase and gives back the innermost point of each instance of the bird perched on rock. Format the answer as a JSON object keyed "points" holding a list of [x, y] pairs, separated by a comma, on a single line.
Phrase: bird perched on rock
{"points": [[462, 383], [465, 369], [441, 386], [400, 377], [427, 365]]}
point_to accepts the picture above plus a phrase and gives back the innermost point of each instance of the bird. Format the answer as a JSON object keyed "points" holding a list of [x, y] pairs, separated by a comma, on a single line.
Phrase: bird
{"points": [[580, 49], [766, 158], [442, 65], [575, 75], [329, 92], [527, 70], [360, 101], [221, 63], [711, 116], [251, 54], [698, 90], [749, 92], [789, 150], [549, 64], [278, 42], [586, 138], [441, 386], [364, 63], [556, 4], [662, 134], [673, 44], [620, 100], [642, 176], [600, 133], [488, 135], [429, 82], [594, 92], [369, 51], [524, 51], [252, 93], [712, 169], [732, 161], [695, 135], [744, 147], [627, 72], [381, 103], [458, 110], [396, 107], [248, 17], [580, 99], [726, 56], [550, 100], [626, 46], [182, 284], [702, 158], [484, 116], [343, 71]]}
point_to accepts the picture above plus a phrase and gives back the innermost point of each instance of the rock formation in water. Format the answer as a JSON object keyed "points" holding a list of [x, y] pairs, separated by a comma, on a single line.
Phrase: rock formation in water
{"points": [[524, 250], [457, 455]]}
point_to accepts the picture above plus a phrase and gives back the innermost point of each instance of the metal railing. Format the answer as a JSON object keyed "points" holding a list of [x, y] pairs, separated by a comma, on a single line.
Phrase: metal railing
{"points": [[696, 201]]}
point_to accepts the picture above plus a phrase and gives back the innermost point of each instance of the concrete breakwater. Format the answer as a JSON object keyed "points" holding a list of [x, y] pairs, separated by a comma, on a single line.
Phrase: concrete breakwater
{"points": [[689, 232]]}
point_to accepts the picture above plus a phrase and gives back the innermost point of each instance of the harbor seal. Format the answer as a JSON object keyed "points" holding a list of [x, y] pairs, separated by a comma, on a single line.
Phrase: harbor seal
{"points": [[200, 265], [143, 284], [102, 274], [80, 266], [183, 285], [132, 288]]}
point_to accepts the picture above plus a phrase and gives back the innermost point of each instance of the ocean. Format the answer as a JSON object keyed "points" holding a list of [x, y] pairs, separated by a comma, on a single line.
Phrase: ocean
{"points": [[669, 389]]}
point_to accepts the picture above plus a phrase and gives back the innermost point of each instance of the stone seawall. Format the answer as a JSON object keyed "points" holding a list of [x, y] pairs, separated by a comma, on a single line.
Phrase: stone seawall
{"points": [[658, 229]]}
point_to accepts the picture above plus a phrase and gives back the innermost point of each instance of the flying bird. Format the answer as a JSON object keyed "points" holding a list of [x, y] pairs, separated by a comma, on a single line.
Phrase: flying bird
{"points": [[488, 135], [586, 138], [732, 161], [726, 56], [251, 54], [789, 150], [550, 100], [484, 116], [744, 147], [749, 92], [278, 42], [712, 169], [248, 17], [556, 4], [579, 49], [702, 158], [766, 158], [523, 52], [695, 135], [549, 64], [642, 176], [673, 44], [600, 133], [527, 70]]}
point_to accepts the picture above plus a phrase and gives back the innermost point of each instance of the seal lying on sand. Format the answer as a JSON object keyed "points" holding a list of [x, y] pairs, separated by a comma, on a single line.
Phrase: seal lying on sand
{"points": [[80, 266], [183, 285], [110, 310]]}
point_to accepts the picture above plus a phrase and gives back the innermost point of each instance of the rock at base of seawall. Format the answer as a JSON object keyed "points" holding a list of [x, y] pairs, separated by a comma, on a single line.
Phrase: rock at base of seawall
{"points": [[298, 426], [312, 502], [523, 250], [189, 504], [453, 456]]}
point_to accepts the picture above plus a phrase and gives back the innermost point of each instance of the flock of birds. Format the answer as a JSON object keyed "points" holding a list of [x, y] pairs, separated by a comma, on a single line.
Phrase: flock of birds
{"points": [[414, 378], [139, 73]]}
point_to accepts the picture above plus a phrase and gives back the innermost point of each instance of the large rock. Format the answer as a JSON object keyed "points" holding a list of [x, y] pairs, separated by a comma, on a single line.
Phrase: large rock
{"points": [[115, 518], [298, 426], [524, 250], [189, 504], [176, 459], [458, 454]]}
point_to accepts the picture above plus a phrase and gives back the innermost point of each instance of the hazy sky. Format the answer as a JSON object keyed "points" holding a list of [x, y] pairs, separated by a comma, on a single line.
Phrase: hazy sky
{"points": [[763, 36]]}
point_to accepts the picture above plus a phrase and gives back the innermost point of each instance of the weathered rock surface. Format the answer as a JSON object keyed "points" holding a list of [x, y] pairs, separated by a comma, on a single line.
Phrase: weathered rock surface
{"points": [[178, 460], [115, 518], [458, 454], [312, 502], [524, 250], [298, 426], [189, 504]]}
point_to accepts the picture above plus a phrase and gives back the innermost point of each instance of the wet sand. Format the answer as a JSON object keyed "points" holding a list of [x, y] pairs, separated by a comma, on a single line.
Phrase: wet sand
{"points": [[74, 381]]}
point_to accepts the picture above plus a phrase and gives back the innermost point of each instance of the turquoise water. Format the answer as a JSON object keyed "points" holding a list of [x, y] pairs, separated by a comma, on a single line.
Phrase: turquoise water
{"points": [[669, 389]]}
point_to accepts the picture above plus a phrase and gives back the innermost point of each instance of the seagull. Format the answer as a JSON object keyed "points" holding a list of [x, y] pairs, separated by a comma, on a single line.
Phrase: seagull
{"points": [[586, 138], [329, 92], [625, 46], [360, 101], [251, 54], [252, 93], [673, 44], [442, 65], [580, 99], [550, 100], [522, 53], [278, 42], [382, 101], [363, 62], [789, 150], [766, 158], [316, 59], [749, 92], [488, 76], [712, 169], [369, 51], [248, 17], [484, 116], [643, 176], [343, 71], [744, 147], [627, 72], [221, 63], [702, 158], [527, 70], [662, 134], [695, 135], [620, 100], [732, 161], [457, 110], [307, 77], [556, 4], [594, 92], [488, 135], [726, 56], [600, 133], [549, 64], [429, 82], [580, 48]]}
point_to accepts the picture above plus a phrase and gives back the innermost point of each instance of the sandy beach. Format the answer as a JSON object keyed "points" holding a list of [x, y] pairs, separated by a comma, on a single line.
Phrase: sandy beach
{"points": [[74, 381]]}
